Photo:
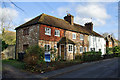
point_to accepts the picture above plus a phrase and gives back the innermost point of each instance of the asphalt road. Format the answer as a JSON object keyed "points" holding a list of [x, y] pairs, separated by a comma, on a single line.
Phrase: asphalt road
{"points": [[103, 69]]}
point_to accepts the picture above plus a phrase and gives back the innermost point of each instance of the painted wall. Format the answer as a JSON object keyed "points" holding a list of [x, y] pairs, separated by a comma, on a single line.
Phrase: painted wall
{"points": [[97, 43], [77, 41]]}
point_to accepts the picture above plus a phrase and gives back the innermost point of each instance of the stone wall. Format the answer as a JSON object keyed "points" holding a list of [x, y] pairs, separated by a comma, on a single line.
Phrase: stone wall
{"points": [[77, 41], [31, 39]]}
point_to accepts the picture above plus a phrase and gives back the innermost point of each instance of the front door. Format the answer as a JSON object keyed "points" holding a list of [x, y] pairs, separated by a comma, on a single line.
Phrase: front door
{"points": [[62, 51]]}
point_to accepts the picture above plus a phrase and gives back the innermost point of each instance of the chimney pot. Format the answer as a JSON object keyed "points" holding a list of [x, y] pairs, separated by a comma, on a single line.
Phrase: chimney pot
{"points": [[69, 18], [89, 26]]}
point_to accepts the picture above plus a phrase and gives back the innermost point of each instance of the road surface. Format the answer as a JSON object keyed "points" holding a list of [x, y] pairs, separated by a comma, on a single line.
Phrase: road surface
{"points": [[103, 69]]}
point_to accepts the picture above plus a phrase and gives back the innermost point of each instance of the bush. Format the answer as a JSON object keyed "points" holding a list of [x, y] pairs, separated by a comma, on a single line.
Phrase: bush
{"points": [[116, 49], [33, 55], [109, 50], [78, 57], [91, 56]]}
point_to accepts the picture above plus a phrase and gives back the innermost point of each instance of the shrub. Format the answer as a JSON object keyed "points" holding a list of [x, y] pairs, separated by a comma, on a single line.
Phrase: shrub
{"points": [[78, 57], [109, 50], [116, 49], [91, 56], [33, 55]]}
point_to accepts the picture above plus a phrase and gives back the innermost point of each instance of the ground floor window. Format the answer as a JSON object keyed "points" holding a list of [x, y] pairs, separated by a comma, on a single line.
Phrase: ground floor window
{"points": [[75, 49], [47, 47], [81, 49], [55, 46], [70, 48], [92, 49], [99, 50], [25, 46], [85, 49]]}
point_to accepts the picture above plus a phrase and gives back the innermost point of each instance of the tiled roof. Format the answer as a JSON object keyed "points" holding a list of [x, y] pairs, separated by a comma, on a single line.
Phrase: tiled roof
{"points": [[60, 23], [65, 40]]}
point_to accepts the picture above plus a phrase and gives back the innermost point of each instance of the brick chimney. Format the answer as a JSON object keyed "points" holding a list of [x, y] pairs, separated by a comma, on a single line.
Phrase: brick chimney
{"points": [[69, 18], [89, 26]]}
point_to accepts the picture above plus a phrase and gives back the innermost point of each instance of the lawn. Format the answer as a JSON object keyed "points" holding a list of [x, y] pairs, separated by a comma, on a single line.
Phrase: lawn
{"points": [[14, 63]]}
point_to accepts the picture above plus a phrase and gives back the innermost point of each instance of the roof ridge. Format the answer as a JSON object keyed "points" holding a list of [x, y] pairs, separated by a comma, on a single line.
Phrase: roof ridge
{"points": [[56, 17]]}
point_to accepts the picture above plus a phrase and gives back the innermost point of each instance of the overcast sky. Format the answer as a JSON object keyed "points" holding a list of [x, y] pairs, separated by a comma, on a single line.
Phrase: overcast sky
{"points": [[104, 15]]}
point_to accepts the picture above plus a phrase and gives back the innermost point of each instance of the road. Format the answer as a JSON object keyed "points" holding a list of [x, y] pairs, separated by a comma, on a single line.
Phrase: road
{"points": [[103, 69]]}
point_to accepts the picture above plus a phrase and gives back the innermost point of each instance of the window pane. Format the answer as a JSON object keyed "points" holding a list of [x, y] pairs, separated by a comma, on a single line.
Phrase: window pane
{"points": [[57, 33]]}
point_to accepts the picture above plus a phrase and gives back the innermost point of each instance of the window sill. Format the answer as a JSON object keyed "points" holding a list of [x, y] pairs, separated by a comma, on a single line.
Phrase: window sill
{"points": [[70, 51], [48, 34], [57, 35], [74, 38]]}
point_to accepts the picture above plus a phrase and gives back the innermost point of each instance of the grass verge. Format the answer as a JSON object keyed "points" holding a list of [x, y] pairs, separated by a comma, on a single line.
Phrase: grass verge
{"points": [[14, 63]]}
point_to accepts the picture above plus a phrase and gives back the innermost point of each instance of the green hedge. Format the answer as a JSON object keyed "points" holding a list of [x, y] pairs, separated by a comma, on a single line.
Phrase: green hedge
{"points": [[91, 56]]}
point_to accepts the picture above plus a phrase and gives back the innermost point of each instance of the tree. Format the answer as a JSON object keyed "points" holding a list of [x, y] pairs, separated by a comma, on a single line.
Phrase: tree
{"points": [[9, 37]]}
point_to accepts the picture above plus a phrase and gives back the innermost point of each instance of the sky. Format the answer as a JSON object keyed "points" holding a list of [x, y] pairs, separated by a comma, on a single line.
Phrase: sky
{"points": [[104, 15]]}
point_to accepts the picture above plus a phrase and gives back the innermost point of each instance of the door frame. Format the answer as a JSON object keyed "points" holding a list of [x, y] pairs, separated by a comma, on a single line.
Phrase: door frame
{"points": [[64, 50]]}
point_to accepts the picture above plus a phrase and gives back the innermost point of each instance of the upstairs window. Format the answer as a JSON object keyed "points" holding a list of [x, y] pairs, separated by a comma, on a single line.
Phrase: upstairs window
{"points": [[47, 31], [70, 48], [57, 33], [26, 31], [110, 43], [74, 35], [81, 37]]}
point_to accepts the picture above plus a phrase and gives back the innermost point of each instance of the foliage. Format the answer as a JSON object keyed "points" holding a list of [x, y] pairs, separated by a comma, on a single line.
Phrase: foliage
{"points": [[14, 63], [91, 56], [78, 57], [53, 53], [109, 50], [33, 55], [116, 49], [9, 37], [4, 45]]}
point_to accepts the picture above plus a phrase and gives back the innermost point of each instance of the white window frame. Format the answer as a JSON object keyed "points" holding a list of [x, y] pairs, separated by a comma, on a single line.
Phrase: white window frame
{"points": [[73, 35], [47, 47], [80, 49], [75, 48], [58, 32], [85, 48], [82, 37], [55, 46], [110, 43], [47, 32], [70, 51]]}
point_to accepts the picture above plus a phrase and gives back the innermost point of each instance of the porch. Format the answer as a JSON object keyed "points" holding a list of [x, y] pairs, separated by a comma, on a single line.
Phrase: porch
{"points": [[66, 48]]}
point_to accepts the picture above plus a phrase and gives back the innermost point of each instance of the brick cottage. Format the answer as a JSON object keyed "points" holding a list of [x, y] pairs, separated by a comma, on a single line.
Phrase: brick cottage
{"points": [[67, 37]]}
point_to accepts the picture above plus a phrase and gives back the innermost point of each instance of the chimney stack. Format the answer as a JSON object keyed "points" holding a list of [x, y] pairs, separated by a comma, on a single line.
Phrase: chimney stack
{"points": [[89, 26], [69, 18]]}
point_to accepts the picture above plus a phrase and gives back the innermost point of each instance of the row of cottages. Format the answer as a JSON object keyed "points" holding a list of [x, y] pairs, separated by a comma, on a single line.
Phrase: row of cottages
{"points": [[67, 37]]}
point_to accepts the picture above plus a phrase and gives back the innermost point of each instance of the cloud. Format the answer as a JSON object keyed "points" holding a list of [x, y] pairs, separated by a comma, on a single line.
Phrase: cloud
{"points": [[89, 12], [7, 15], [63, 10], [96, 12], [27, 19]]}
